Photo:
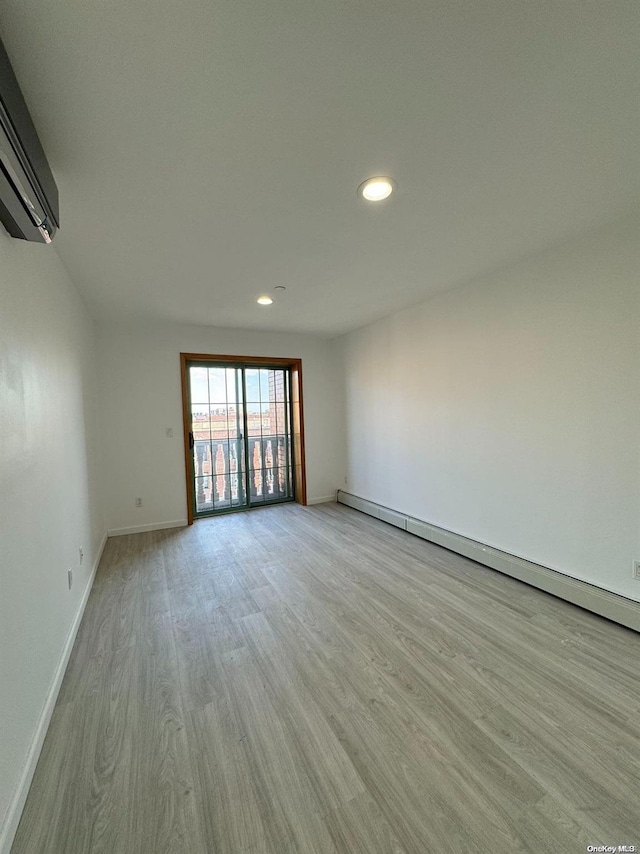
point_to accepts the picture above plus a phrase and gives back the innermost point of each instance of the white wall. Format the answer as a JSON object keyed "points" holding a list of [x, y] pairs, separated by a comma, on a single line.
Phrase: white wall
{"points": [[509, 410], [141, 395], [48, 501]]}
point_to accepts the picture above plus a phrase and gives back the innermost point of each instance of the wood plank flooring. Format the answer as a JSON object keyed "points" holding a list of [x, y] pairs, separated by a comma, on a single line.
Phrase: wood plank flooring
{"points": [[297, 680]]}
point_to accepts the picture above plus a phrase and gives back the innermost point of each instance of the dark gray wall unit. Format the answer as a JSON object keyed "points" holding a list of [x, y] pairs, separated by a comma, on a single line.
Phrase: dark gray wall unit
{"points": [[29, 207]]}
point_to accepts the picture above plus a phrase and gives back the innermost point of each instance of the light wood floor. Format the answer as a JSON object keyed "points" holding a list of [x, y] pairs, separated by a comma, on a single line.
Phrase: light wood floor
{"points": [[313, 680]]}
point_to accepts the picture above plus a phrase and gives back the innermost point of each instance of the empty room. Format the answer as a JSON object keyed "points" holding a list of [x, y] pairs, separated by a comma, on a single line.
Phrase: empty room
{"points": [[319, 427]]}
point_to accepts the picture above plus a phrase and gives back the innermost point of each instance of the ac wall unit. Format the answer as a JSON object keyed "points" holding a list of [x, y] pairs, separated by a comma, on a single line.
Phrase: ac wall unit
{"points": [[28, 193]]}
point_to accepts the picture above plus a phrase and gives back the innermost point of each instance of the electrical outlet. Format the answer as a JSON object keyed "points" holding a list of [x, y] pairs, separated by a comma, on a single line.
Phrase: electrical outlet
{"points": [[138, 502], [169, 432], [636, 569], [70, 577], [81, 554]]}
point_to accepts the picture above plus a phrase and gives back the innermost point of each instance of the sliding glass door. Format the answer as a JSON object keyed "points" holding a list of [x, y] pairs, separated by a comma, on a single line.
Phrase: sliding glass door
{"points": [[240, 440]]}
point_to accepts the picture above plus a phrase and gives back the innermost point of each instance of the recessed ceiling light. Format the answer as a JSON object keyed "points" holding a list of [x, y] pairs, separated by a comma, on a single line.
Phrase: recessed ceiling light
{"points": [[377, 189], [265, 300]]}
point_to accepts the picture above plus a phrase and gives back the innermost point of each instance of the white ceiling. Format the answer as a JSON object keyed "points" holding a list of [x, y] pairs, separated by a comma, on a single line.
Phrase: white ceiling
{"points": [[208, 150]]}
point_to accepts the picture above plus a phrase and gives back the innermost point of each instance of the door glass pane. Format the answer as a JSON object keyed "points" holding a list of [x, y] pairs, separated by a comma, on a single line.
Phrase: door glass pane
{"points": [[254, 419], [199, 385], [217, 384], [266, 380], [252, 378]]}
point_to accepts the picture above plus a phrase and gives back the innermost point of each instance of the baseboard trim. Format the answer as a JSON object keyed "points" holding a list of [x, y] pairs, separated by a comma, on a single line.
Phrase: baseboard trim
{"points": [[141, 529], [12, 818], [603, 602]]}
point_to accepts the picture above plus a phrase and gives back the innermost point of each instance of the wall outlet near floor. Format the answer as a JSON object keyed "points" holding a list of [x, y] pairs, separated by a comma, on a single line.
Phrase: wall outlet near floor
{"points": [[138, 502], [80, 554], [169, 432], [636, 569], [69, 578]]}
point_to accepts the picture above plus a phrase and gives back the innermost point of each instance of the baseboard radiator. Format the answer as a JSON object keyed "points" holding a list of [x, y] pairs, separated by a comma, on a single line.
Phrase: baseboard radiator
{"points": [[588, 596]]}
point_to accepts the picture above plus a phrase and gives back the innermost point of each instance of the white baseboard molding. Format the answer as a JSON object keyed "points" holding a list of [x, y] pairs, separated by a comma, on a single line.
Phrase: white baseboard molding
{"points": [[603, 602], [12, 818], [141, 529], [324, 500]]}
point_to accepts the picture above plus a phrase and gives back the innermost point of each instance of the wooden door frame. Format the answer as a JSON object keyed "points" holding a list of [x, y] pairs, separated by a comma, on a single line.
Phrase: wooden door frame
{"points": [[297, 426]]}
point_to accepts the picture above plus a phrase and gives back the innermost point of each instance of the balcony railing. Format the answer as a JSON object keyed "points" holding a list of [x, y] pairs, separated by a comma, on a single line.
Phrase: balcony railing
{"points": [[220, 481]]}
